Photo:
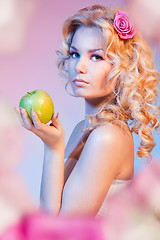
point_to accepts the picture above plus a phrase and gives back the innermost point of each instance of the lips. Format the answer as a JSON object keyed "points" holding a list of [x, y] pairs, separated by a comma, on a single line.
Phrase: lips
{"points": [[79, 81]]}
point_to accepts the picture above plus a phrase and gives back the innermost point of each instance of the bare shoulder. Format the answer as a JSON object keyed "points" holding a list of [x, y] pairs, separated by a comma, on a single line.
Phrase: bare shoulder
{"points": [[112, 134], [116, 146]]}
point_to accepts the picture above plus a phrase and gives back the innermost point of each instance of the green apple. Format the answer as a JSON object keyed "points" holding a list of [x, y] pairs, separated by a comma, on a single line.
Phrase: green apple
{"points": [[41, 103]]}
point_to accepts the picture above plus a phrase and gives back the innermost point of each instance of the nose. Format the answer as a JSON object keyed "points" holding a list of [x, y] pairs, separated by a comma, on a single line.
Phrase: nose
{"points": [[81, 66]]}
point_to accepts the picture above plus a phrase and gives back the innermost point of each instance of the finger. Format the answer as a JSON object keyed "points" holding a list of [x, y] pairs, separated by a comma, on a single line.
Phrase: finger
{"points": [[19, 116], [28, 123], [55, 121], [39, 128], [26, 120], [37, 123]]}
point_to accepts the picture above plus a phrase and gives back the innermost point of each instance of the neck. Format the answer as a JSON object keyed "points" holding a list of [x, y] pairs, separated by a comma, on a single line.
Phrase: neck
{"points": [[92, 107]]}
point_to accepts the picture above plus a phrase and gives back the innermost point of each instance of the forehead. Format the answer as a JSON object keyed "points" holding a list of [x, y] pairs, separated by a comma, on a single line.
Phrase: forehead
{"points": [[88, 37]]}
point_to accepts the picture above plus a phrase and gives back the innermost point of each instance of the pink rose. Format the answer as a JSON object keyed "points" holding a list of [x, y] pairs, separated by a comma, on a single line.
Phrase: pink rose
{"points": [[123, 25]]}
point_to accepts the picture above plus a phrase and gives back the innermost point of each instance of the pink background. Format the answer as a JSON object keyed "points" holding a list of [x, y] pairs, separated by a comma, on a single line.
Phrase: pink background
{"points": [[34, 67]]}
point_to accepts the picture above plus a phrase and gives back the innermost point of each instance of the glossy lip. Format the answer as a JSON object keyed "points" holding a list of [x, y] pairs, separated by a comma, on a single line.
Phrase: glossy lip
{"points": [[79, 81]]}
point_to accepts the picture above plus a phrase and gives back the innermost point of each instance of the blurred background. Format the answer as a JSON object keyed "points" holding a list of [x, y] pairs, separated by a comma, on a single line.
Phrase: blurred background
{"points": [[30, 34]]}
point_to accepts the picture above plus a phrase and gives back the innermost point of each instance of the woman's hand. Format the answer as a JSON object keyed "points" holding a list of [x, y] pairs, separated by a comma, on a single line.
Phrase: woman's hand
{"points": [[52, 135]]}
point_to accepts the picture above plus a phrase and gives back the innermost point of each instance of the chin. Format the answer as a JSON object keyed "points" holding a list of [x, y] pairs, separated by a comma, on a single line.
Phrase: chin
{"points": [[78, 93]]}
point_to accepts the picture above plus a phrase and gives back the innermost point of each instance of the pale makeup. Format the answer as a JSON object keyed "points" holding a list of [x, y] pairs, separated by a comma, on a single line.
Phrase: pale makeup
{"points": [[88, 66]]}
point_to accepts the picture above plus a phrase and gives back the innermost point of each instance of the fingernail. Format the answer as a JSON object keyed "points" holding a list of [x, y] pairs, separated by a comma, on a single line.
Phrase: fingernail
{"points": [[57, 115], [21, 110], [26, 122], [27, 125], [34, 118], [32, 112]]}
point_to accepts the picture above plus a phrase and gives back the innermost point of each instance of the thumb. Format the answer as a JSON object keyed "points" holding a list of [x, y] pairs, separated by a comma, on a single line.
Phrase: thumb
{"points": [[55, 120]]}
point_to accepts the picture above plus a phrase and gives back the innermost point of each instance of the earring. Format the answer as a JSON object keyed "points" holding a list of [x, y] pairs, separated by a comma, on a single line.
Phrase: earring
{"points": [[67, 90]]}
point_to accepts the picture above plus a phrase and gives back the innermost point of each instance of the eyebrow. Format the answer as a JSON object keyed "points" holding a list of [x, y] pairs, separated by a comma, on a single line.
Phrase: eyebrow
{"points": [[90, 50]]}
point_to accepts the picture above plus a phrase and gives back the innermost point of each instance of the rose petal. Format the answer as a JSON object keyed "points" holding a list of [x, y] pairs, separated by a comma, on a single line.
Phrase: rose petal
{"points": [[123, 25]]}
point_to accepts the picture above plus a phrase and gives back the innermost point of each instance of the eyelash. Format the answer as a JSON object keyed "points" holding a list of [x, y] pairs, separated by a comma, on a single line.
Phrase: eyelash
{"points": [[93, 55], [72, 53], [98, 56]]}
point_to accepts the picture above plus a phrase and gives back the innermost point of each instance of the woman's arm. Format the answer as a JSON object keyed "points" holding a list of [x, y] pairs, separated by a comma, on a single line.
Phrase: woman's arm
{"points": [[52, 180], [53, 169]]}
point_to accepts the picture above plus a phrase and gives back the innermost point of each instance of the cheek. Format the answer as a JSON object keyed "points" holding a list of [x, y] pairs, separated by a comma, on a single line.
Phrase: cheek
{"points": [[107, 68], [70, 67], [106, 73], [104, 82], [102, 73]]}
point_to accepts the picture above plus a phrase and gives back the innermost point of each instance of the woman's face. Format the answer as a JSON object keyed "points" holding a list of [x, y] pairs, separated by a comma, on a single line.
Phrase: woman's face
{"points": [[88, 67]]}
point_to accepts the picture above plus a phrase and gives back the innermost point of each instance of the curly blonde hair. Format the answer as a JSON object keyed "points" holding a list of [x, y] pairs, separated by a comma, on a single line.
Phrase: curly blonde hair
{"points": [[134, 97]]}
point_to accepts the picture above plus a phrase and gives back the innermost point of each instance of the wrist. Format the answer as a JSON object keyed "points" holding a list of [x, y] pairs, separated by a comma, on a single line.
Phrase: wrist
{"points": [[59, 150]]}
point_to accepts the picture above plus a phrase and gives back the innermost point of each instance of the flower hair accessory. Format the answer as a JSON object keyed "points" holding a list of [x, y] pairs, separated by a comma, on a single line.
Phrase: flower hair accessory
{"points": [[123, 25]]}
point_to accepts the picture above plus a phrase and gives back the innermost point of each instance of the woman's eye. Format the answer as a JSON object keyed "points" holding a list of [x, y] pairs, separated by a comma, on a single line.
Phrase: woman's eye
{"points": [[74, 54], [96, 57]]}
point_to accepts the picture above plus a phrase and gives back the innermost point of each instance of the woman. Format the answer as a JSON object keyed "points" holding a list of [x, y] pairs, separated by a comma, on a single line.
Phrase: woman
{"points": [[111, 67]]}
